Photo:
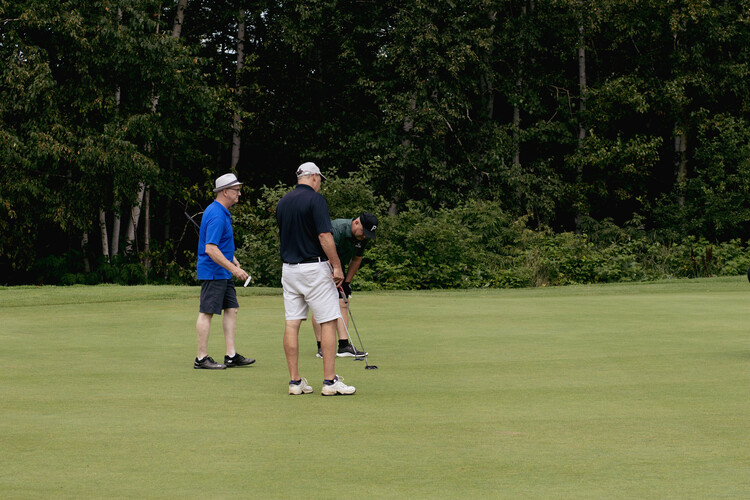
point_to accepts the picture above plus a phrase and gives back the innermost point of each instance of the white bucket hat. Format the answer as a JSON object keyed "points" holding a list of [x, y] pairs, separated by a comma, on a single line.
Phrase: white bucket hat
{"points": [[225, 181]]}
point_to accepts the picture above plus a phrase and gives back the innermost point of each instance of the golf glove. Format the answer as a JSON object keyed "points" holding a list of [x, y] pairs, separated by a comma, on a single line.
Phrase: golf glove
{"points": [[347, 287]]}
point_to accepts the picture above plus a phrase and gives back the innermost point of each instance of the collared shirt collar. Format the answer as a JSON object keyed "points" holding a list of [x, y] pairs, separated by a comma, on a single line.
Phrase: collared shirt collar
{"points": [[225, 209]]}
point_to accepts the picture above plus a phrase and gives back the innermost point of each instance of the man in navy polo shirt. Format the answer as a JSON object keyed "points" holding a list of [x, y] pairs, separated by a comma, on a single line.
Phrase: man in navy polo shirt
{"points": [[216, 267], [310, 276]]}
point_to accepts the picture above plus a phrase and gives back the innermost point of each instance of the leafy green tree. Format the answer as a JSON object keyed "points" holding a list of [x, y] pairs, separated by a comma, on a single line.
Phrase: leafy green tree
{"points": [[436, 82], [57, 110], [655, 64], [536, 86], [73, 146], [434, 104], [718, 191]]}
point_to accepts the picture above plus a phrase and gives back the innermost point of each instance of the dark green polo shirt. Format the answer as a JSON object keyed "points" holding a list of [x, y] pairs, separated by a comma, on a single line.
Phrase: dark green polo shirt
{"points": [[347, 246]]}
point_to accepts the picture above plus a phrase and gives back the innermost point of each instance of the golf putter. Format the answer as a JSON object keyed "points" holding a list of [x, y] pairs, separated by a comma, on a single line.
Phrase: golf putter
{"points": [[349, 308]]}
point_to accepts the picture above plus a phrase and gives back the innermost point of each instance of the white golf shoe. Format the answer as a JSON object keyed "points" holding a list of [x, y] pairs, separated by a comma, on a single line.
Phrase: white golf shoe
{"points": [[301, 388], [337, 387]]}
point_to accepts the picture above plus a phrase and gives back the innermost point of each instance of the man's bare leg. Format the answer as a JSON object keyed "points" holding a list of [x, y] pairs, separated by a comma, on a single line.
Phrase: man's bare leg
{"points": [[328, 347], [203, 328], [229, 322], [291, 347], [343, 324]]}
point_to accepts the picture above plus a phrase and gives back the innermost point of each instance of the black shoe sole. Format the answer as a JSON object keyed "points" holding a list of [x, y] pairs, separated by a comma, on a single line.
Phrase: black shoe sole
{"points": [[243, 364]]}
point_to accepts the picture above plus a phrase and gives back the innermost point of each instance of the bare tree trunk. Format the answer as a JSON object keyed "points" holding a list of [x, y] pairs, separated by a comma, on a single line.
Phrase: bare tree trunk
{"points": [[147, 231], [116, 229], [166, 216], [85, 251], [135, 211], [680, 149], [108, 251], [142, 200], [517, 108], [117, 220], [581, 109], [408, 125], [581, 84], [516, 131], [135, 215], [237, 124], [103, 230], [143, 190], [144, 194], [487, 79], [178, 18]]}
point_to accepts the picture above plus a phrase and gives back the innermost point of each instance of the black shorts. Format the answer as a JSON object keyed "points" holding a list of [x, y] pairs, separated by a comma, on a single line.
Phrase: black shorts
{"points": [[217, 295]]}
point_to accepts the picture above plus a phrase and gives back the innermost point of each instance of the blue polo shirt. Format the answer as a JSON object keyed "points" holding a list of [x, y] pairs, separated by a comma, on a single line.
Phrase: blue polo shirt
{"points": [[216, 229], [301, 216]]}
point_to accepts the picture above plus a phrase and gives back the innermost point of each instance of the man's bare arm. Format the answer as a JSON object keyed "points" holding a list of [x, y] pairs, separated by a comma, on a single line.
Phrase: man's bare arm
{"points": [[218, 257], [329, 247]]}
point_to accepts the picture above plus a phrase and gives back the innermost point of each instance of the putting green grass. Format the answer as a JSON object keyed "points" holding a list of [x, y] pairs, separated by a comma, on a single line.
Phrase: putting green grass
{"points": [[611, 391]]}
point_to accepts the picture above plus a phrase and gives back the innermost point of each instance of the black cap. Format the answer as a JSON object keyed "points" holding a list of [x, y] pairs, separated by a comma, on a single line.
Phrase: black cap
{"points": [[369, 224]]}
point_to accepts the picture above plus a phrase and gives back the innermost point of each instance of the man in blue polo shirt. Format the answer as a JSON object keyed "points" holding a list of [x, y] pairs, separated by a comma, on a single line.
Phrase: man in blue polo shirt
{"points": [[310, 276], [216, 267]]}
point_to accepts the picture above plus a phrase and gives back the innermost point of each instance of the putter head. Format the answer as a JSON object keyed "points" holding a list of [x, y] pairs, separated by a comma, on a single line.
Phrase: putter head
{"points": [[371, 367]]}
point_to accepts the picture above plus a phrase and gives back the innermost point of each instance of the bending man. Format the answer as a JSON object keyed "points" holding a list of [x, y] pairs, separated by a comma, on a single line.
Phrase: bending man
{"points": [[350, 237]]}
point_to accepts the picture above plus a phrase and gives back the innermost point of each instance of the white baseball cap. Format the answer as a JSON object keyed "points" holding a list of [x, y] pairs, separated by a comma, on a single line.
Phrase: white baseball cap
{"points": [[225, 181], [309, 168]]}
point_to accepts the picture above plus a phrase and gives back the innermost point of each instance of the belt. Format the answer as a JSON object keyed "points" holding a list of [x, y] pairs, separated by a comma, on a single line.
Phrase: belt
{"points": [[308, 261]]}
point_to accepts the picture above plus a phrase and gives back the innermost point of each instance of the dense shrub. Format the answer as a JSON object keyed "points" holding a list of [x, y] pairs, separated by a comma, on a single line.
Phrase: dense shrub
{"points": [[420, 250], [256, 234], [165, 268], [476, 244], [257, 238]]}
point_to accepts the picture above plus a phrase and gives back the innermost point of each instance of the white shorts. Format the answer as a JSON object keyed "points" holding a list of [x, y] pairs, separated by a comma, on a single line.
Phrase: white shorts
{"points": [[310, 287]]}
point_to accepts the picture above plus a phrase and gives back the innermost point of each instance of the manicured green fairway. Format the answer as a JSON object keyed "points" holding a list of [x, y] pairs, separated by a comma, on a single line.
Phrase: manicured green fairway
{"points": [[615, 391]]}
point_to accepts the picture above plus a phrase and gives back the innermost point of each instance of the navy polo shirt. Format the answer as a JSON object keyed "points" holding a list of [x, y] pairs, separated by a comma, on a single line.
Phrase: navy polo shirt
{"points": [[216, 229], [302, 215]]}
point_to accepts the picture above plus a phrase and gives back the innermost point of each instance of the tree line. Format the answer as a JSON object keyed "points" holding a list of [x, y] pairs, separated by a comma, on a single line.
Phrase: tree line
{"points": [[115, 117]]}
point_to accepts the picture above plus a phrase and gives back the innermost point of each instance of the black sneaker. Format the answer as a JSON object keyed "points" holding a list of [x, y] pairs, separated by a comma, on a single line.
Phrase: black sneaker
{"points": [[207, 363], [237, 360], [350, 352]]}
